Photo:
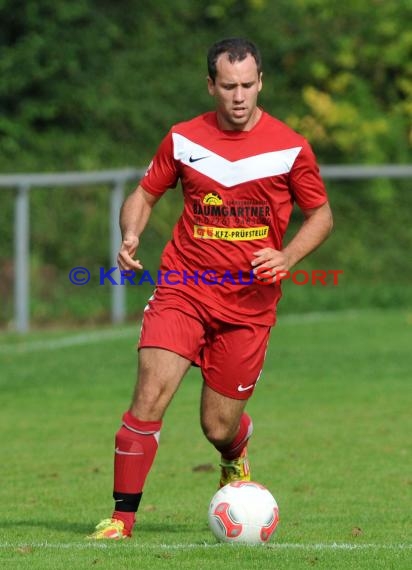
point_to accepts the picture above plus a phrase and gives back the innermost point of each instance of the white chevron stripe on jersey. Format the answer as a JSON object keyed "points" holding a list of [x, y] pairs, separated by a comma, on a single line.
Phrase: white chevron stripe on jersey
{"points": [[230, 173]]}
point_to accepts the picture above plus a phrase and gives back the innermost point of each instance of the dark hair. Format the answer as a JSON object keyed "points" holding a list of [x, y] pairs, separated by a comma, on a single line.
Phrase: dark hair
{"points": [[237, 49]]}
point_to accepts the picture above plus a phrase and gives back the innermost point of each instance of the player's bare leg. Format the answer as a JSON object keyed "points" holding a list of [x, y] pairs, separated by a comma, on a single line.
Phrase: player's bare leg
{"points": [[227, 426], [159, 375]]}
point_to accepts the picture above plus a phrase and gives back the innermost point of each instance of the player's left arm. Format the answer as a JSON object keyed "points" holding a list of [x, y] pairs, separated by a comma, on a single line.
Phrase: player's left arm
{"points": [[313, 232]]}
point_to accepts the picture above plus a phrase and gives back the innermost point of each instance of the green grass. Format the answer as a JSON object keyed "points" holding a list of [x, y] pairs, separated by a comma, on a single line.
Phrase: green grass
{"points": [[332, 416]]}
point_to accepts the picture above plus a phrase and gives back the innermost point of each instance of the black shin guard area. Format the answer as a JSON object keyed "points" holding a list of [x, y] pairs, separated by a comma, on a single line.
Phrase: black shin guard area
{"points": [[127, 502]]}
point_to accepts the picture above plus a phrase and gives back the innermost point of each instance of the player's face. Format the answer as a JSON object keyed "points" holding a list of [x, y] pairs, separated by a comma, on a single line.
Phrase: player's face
{"points": [[236, 91]]}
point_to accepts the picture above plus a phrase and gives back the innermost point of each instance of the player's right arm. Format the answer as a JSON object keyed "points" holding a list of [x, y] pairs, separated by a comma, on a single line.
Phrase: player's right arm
{"points": [[134, 216], [160, 175]]}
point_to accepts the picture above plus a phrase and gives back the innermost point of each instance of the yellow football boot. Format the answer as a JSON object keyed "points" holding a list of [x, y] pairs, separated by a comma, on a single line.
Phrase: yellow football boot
{"points": [[235, 469]]}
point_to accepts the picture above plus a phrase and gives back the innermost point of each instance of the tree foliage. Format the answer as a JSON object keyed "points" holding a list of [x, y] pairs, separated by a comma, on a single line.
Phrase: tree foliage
{"points": [[93, 83]]}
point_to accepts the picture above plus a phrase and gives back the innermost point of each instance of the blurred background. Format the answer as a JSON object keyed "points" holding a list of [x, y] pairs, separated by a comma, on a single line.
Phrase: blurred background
{"points": [[89, 85]]}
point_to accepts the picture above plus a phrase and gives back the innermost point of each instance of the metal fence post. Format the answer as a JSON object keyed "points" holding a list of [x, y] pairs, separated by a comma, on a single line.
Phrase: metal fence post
{"points": [[21, 256], [118, 306]]}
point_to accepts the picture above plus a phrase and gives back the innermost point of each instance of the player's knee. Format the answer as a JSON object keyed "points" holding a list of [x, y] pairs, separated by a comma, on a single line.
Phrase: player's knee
{"points": [[218, 433], [150, 401]]}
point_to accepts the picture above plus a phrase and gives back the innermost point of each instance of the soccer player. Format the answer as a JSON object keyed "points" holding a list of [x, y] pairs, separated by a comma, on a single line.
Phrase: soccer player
{"points": [[241, 171]]}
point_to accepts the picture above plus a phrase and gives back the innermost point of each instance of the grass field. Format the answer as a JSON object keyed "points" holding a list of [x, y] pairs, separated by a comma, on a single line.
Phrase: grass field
{"points": [[333, 425]]}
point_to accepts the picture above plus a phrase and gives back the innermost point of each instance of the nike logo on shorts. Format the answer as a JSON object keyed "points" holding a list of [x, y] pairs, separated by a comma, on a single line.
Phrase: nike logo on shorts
{"points": [[241, 388], [120, 452]]}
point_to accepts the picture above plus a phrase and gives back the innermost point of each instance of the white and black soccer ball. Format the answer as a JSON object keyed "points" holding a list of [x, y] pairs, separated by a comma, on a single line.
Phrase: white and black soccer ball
{"points": [[243, 512]]}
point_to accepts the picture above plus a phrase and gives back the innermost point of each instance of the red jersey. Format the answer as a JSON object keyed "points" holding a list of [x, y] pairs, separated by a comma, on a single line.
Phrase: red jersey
{"points": [[239, 188]]}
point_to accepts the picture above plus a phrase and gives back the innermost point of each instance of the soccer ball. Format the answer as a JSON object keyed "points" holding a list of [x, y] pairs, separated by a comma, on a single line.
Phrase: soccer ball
{"points": [[243, 512]]}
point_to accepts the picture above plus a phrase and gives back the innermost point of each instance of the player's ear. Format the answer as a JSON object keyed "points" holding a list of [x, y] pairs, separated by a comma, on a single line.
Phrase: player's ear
{"points": [[210, 86], [260, 82]]}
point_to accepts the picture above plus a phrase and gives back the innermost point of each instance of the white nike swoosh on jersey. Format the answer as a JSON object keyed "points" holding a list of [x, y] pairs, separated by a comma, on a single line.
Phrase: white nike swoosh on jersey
{"points": [[244, 388], [229, 173], [120, 452]]}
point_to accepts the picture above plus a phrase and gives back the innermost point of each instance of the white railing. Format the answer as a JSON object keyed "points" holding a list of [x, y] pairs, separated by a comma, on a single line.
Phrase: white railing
{"points": [[23, 183]]}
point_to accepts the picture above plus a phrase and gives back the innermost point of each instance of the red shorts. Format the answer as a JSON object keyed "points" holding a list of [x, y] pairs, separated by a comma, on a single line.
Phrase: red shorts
{"points": [[230, 356]]}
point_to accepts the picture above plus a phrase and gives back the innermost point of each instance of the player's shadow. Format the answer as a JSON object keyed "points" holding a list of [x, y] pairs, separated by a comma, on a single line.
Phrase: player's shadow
{"points": [[164, 528], [51, 524], [83, 529]]}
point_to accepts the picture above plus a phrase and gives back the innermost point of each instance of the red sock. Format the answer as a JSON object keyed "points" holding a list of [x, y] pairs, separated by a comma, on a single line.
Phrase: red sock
{"points": [[235, 448], [136, 447]]}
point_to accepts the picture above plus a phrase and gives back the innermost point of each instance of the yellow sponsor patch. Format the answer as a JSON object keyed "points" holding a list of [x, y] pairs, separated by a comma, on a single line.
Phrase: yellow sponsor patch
{"points": [[230, 234], [213, 198]]}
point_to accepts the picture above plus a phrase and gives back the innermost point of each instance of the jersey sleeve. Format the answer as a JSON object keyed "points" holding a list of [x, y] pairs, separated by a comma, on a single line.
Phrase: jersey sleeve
{"points": [[306, 183], [162, 173]]}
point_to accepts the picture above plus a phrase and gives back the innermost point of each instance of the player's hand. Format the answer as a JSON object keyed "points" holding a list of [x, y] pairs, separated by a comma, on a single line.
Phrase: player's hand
{"points": [[270, 265], [126, 254]]}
